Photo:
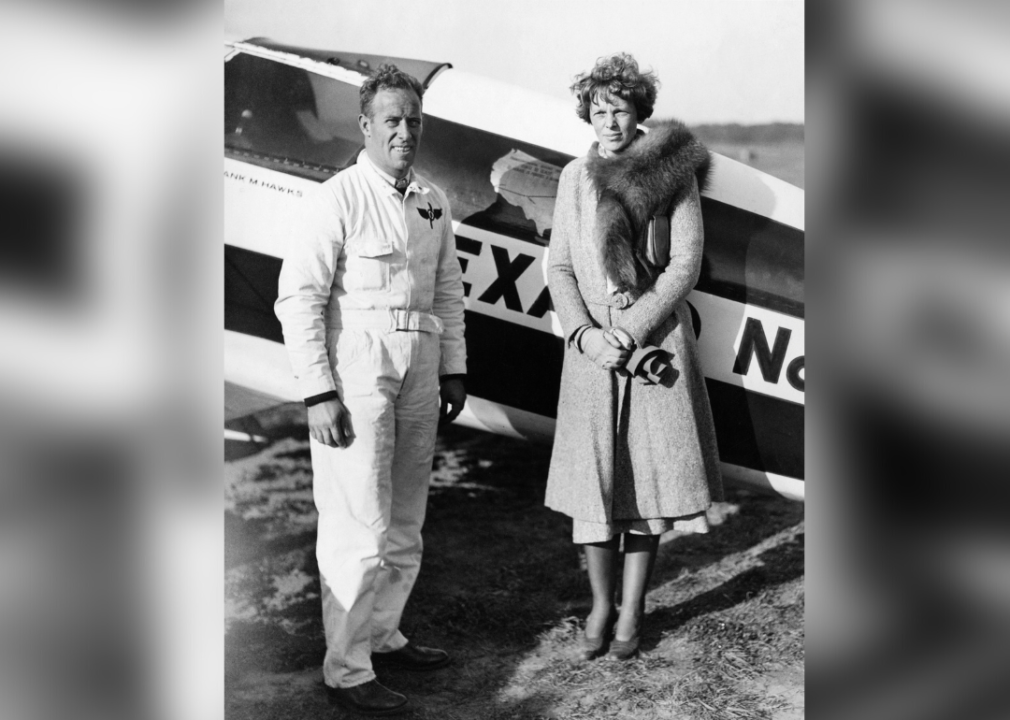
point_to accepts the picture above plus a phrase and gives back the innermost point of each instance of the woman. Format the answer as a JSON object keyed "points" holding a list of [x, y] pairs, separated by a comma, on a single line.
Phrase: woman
{"points": [[635, 452]]}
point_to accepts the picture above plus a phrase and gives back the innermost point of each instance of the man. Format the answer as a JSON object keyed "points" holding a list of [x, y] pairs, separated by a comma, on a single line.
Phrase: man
{"points": [[371, 303]]}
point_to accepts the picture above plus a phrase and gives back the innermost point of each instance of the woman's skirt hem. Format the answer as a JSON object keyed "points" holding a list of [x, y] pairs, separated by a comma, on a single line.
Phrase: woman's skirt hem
{"points": [[585, 531]]}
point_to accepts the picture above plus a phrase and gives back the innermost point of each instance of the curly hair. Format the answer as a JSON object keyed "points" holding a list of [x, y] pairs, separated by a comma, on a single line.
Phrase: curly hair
{"points": [[617, 75], [386, 77]]}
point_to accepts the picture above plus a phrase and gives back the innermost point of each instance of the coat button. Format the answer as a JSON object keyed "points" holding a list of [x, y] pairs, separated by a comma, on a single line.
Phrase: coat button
{"points": [[621, 300]]}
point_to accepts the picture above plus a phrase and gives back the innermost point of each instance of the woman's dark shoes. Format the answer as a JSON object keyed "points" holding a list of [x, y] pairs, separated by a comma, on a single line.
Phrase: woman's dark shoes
{"points": [[412, 657], [370, 698], [627, 649], [623, 649], [593, 646]]}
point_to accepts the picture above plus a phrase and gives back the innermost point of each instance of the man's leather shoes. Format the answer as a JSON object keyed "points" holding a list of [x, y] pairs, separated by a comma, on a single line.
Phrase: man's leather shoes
{"points": [[412, 657], [370, 698]]}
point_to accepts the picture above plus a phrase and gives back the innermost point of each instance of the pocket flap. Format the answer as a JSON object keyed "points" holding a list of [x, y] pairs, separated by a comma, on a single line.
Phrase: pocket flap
{"points": [[371, 248]]}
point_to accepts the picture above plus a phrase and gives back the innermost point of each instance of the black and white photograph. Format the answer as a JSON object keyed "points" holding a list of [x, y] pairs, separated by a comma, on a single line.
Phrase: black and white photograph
{"points": [[520, 286]]}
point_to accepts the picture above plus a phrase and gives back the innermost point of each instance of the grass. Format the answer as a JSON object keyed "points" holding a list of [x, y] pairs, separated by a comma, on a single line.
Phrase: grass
{"points": [[502, 589]]}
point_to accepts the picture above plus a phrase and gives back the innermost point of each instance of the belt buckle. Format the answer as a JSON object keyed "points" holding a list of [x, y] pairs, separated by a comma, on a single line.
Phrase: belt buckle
{"points": [[405, 320]]}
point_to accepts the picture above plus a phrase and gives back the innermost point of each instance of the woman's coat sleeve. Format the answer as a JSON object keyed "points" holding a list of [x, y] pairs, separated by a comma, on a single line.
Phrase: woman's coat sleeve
{"points": [[678, 279], [561, 280]]}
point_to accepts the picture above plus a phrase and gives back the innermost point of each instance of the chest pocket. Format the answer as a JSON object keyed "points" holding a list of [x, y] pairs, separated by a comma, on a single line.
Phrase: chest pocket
{"points": [[368, 264]]}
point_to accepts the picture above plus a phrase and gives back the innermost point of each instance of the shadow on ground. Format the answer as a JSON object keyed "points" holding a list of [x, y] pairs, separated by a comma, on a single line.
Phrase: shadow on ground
{"points": [[500, 587]]}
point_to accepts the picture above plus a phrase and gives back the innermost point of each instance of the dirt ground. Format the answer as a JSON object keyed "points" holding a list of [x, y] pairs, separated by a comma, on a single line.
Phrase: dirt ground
{"points": [[502, 590]]}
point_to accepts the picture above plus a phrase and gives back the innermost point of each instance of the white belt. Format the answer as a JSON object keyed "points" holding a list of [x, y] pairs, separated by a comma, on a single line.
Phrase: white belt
{"points": [[388, 320]]}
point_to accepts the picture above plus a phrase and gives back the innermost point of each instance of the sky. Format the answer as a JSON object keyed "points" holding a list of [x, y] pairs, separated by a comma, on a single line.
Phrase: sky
{"points": [[718, 61]]}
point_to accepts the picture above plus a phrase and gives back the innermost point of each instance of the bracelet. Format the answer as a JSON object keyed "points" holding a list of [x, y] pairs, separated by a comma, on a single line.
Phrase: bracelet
{"points": [[577, 337]]}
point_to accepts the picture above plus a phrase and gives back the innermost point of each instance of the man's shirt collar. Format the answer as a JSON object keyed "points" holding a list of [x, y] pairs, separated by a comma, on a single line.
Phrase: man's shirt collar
{"points": [[411, 178]]}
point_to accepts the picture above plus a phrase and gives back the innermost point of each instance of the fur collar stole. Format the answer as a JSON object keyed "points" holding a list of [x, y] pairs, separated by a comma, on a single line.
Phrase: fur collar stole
{"points": [[632, 187]]}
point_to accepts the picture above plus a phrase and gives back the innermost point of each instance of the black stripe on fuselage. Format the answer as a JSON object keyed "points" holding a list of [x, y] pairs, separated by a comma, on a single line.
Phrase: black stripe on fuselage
{"points": [[752, 259], [757, 431], [250, 290]]}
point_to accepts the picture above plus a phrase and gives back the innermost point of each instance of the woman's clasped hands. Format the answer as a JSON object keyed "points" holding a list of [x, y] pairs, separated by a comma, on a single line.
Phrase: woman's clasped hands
{"points": [[609, 349]]}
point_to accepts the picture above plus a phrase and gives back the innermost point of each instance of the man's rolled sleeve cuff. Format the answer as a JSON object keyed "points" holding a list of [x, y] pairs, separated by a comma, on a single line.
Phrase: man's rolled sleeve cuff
{"points": [[321, 398], [452, 376]]}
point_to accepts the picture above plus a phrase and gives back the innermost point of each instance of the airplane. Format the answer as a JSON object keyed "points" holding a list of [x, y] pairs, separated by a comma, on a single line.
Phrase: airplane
{"points": [[498, 150]]}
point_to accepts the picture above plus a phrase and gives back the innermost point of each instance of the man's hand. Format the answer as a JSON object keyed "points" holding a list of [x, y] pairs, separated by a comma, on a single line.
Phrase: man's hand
{"points": [[453, 394], [330, 424], [603, 349]]}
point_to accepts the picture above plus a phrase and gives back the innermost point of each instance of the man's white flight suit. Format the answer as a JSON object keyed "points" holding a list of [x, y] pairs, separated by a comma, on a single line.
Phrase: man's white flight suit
{"points": [[371, 302]]}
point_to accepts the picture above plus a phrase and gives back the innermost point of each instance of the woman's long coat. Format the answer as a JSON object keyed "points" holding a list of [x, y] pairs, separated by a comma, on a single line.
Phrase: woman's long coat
{"points": [[624, 450]]}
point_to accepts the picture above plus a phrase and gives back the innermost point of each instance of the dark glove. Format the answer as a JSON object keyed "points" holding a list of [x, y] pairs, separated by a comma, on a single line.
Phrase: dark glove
{"points": [[648, 365]]}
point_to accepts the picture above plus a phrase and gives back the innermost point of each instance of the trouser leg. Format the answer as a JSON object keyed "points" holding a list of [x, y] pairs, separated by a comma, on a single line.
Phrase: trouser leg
{"points": [[352, 492], [416, 412]]}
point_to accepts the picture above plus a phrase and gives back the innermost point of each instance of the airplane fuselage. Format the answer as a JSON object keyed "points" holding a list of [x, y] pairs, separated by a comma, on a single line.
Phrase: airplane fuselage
{"points": [[289, 126]]}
